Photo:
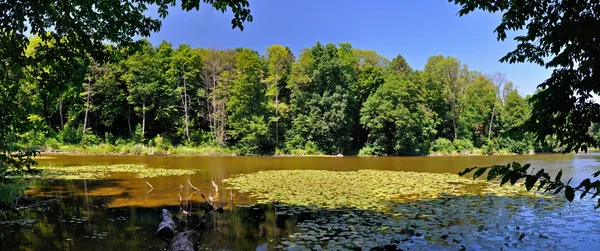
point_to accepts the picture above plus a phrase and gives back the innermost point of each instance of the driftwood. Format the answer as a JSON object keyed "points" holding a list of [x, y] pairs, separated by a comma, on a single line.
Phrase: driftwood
{"points": [[184, 241], [166, 229]]}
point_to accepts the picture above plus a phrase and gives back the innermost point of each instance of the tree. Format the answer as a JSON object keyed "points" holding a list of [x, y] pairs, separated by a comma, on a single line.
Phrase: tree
{"points": [[216, 71], [499, 79], [399, 65], [560, 35], [95, 72], [321, 101], [514, 111], [246, 104], [370, 58], [80, 29], [455, 77], [398, 121], [184, 72], [479, 100], [279, 65], [143, 81]]}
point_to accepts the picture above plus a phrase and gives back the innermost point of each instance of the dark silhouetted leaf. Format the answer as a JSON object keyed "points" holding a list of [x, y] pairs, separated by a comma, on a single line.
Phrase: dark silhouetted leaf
{"points": [[530, 181], [569, 193], [479, 172], [557, 178]]}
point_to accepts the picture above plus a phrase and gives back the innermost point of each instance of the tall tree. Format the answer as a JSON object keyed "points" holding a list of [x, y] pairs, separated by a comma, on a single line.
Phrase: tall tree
{"points": [[562, 35], [216, 70], [184, 71], [479, 101], [279, 63], [143, 80], [499, 79], [398, 121], [95, 71], [246, 105], [399, 65], [455, 76], [321, 99]]}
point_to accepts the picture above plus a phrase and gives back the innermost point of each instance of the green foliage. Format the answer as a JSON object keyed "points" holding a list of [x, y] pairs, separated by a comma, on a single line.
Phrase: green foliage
{"points": [[70, 134], [442, 145], [161, 143], [398, 122], [11, 191], [247, 105], [367, 150], [565, 100], [321, 100], [541, 180], [463, 146]]}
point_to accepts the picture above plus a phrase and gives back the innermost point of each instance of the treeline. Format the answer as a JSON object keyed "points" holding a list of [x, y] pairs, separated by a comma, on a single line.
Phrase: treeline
{"points": [[330, 99]]}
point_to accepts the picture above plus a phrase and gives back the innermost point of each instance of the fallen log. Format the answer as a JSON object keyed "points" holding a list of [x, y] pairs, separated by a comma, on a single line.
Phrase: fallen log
{"points": [[166, 229], [184, 241]]}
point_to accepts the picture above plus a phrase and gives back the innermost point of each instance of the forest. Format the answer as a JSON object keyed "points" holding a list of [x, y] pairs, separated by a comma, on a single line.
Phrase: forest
{"points": [[330, 99]]}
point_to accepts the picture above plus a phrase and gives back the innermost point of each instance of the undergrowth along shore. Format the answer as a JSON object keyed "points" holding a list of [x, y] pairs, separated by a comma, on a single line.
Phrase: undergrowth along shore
{"points": [[211, 150]]}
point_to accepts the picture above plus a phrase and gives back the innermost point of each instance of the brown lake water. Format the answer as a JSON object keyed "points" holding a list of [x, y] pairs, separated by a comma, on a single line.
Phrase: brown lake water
{"points": [[122, 212]]}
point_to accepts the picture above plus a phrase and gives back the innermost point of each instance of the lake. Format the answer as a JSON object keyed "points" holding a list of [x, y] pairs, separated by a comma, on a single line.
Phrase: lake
{"points": [[121, 211]]}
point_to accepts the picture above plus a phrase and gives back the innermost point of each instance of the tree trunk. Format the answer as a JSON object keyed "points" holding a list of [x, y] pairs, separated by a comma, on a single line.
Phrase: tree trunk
{"points": [[143, 118], [87, 108], [184, 241], [454, 120], [276, 109], [491, 123], [129, 120], [214, 105], [60, 105], [185, 107], [166, 229]]}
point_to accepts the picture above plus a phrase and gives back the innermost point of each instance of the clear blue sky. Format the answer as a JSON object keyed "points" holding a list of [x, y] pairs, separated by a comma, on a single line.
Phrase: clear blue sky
{"points": [[415, 29]]}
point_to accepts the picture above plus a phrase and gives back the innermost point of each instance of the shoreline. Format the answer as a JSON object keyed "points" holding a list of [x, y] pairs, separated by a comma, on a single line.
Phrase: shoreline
{"points": [[233, 154]]}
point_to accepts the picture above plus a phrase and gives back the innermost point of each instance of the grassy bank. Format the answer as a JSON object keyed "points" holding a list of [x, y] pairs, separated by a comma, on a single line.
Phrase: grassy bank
{"points": [[138, 149], [208, 150]]}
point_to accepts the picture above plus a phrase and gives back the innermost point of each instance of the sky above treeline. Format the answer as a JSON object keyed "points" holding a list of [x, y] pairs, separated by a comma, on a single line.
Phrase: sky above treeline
{"points": [[414, 29]]}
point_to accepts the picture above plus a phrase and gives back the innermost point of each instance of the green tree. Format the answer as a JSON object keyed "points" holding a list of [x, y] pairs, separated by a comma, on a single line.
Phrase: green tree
{"points": [[479, 100], [279, 64], [559, 35], [143, 81], [246, 105], [399, 65], [398, 121], [371, 72], [321, 99], [452, 78]]}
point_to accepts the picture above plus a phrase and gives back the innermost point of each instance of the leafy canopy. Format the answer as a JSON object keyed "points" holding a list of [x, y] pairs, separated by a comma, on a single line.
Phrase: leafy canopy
{"points": [[563, 36]]}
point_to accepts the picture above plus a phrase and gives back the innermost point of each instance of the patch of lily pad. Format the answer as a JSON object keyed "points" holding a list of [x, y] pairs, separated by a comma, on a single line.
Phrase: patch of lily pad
{"points": [[406, 210], [363, 189], [104, 171]]}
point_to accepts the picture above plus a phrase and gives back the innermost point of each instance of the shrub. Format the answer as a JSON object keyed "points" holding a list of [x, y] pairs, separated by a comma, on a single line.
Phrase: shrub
{"points": [[311, 148], [442, 145], [367, 150], [70, 135], [120, 142], [138, 136], [89, 138], [137, 149], [463, 145], [11, 191], [161, 142], [517, 146], [52, 143], [109, 138]]}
